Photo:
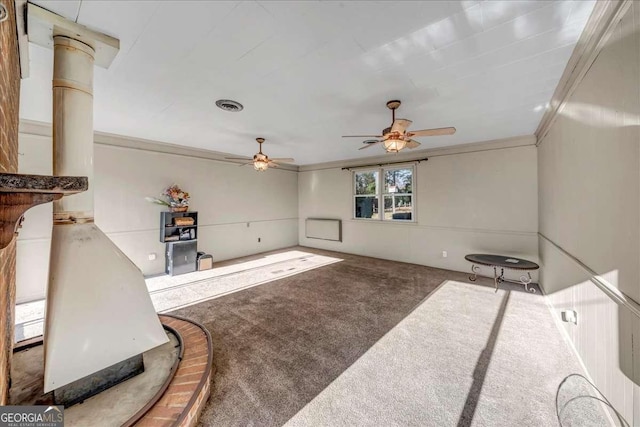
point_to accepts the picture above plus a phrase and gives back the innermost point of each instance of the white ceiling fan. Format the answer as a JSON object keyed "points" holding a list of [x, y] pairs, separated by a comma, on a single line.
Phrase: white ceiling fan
{"points": [[397, 137], [261, 162]]}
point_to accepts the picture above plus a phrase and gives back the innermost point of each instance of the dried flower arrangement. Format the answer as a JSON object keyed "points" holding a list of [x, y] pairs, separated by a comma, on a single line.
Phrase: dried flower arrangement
{"points": [[175, 198]]}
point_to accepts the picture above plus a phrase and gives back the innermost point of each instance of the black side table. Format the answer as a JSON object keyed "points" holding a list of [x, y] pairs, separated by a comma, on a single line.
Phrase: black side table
{"points": [[502, 262]]}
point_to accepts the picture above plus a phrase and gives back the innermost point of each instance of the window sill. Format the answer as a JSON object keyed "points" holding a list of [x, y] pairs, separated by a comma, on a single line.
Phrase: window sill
{"points": [[397, 221]]}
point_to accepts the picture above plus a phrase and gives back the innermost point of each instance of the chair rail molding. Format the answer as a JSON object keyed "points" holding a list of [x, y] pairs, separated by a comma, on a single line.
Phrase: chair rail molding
{"points": [[611, 291]]}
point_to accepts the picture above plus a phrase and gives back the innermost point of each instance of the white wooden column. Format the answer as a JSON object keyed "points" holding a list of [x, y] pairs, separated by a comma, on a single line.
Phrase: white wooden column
{"points": [[99, 312]]}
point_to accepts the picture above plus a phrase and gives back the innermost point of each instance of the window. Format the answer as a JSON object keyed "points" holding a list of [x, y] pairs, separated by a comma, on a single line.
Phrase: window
{"points": [[392, 186], [366, 189]]}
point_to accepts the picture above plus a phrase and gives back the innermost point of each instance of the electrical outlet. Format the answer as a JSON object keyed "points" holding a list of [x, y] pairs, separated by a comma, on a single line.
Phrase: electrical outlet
{"points": [[444, 254], [152, 256], [569, 316]]}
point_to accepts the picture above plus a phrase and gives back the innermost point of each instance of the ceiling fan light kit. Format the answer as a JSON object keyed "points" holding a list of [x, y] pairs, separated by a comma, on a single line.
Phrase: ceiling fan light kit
{"points": [[394, 145], [261, 162], [396, 137], [260, 166]]}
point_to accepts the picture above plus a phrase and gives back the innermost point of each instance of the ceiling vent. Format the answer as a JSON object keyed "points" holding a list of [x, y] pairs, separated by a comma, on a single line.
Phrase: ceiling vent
{"points": [[370, 141], [229, 105]]}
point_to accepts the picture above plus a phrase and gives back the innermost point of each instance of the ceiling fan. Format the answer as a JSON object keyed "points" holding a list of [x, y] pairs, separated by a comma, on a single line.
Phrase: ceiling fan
{"points": [[261, 162], [397, 137]]}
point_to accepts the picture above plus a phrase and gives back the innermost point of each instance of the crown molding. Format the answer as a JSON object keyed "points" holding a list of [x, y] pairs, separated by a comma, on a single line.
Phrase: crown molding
{"points": [[41, 129], [605, 16], [409, 156]]}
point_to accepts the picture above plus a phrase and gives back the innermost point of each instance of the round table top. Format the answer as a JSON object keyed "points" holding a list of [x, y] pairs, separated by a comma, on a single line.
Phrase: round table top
{"points": [[502, 261]]}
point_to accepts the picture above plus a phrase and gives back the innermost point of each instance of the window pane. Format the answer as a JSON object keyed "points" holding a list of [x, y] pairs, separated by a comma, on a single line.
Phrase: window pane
{"points": [[366, 207], [398, 207], [398, 180], [366, 182]]}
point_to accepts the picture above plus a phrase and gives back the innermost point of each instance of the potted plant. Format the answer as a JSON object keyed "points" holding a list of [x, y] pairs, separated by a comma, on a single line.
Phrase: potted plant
{"points": [[174, 197]]}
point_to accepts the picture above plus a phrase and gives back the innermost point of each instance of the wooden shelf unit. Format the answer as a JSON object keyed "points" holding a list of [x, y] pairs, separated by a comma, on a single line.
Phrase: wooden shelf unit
{"points": [[170, 232], [181, 245]]}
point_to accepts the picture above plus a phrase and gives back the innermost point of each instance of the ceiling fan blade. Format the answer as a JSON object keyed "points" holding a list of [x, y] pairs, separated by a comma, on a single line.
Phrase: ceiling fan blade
{"points": [[362, 136], [283, 159], [245, 164], [432, 132], [412, 143], [273, 164], [400, 125], [238, 158], [369, 145]]}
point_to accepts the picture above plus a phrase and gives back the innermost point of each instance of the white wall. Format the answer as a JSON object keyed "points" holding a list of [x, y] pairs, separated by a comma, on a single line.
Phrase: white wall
{"points": [[589, 179], [476, 201], [236, 206], [33, 243]]}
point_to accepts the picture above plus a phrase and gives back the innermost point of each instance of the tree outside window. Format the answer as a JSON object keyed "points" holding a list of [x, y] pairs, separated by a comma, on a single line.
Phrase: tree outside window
{"points": [[366, 197], [395, 190]]}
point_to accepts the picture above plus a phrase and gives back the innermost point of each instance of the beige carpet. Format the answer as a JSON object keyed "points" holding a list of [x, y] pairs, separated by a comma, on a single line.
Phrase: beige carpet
{"points": [[465, 356], [279, 347], [170, 293]]}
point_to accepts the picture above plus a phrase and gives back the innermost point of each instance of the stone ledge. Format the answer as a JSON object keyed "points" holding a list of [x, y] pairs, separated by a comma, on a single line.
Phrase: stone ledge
{"points": [[19, 183], [19, 193]]}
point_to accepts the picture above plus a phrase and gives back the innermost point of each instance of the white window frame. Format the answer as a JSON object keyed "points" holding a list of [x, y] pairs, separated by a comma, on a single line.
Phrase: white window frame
{"points": [[355, 196], [380, 194]]}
